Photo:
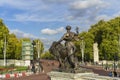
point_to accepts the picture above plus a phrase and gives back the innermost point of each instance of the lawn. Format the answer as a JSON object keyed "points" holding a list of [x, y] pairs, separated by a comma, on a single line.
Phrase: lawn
{"points": [[12, 69]]}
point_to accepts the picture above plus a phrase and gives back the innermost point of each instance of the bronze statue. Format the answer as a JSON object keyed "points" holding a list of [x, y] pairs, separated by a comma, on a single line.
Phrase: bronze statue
{"points": [[65, 52]]}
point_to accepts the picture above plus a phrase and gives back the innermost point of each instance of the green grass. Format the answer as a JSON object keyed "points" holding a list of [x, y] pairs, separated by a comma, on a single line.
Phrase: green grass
{"points": [[21, 68], [10, 69]]}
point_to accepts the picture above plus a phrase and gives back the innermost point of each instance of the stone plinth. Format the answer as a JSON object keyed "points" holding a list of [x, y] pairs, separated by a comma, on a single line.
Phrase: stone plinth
{"points": [[67, 76], [78, 76]]}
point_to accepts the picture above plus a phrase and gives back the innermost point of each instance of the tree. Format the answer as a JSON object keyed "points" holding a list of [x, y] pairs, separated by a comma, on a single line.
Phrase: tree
{"points": [[38, 48], [47, 55], [4, 32], [13, 47], [106, 34]]}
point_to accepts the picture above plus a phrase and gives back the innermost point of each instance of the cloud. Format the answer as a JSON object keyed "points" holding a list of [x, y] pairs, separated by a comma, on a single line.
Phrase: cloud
{"points": [[33, 10], [84, 4], [21, 34], [67, 11], [86, 7], [47, 42], [107, 17], [24, 10], [53, 10], [102, 17], [87, 12], [56, 1], [31, 5], [48, 31], [33, 17], [116, 14]]}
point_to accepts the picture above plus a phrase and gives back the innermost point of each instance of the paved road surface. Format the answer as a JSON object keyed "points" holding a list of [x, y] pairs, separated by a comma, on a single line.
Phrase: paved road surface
{"points": [[48, 65]]}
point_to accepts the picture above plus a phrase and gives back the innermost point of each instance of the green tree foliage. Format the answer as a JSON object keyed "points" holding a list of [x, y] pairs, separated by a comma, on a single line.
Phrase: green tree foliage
{"points": [[47, 55], [4, 32], [18, 50], [38, 45], [105, 33], [88, 39], [14, 45]]}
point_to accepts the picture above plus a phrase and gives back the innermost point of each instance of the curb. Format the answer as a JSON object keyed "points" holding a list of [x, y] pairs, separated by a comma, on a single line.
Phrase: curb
{"points": [[15, 75]]}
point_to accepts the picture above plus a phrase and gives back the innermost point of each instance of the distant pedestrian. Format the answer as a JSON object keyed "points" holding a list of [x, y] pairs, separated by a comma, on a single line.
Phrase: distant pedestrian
{"points": [[115, 74], [110, 74], [33, 68]]}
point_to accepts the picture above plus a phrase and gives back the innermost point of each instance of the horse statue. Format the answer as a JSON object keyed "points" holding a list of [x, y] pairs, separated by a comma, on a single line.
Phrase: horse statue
{"points": [[65, 53], [60, 53]]}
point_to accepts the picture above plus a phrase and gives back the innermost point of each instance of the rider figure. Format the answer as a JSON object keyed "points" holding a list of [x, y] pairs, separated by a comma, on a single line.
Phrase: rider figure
{"points": [[69, 37]]}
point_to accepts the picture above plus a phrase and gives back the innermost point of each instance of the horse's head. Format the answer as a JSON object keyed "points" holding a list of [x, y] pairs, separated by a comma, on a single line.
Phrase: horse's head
{"points": [[54, 48], [58, 50]]}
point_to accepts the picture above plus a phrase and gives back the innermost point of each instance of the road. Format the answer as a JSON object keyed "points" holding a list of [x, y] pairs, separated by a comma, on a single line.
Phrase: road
{"points": [[48, 65]]}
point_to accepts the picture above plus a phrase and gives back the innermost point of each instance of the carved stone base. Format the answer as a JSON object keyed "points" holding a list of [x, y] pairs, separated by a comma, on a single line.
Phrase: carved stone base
{"points": [[67, 76], [78, 76]]}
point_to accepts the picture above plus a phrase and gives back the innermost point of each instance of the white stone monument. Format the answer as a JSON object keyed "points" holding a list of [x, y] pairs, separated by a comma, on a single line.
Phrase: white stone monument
{"points": [[95, 52]]}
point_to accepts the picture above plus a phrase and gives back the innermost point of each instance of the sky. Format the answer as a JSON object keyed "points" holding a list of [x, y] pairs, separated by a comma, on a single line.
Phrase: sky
{"points": [[46, 19]]}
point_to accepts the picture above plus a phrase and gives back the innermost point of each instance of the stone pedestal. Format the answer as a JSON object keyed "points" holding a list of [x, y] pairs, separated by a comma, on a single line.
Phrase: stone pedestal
{"points": [[68, 76], [78, 76]]}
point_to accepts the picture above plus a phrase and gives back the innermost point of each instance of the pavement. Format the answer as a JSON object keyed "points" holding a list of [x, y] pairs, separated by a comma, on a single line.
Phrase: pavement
{"points": [[100, 70], [48, 65]]}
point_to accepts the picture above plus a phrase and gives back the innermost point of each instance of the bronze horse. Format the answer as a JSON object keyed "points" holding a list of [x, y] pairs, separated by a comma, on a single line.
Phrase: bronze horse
{"points": [[64, 53], [60, 53]]}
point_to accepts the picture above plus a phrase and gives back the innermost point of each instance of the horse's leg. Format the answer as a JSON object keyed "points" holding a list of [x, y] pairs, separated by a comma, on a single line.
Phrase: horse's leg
{"points": [[61, 63], [71, 57]]}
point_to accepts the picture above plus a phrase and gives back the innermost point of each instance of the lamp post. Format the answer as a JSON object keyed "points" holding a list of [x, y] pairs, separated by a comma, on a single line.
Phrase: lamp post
{"points": [[38, 46], [33, 43], [82, 46], [38, 49], [115, 66], [4, 51], [118, 50]]}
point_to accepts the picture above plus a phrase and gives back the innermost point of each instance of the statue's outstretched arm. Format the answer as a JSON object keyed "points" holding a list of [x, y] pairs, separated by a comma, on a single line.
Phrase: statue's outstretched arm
{"points": [[61, 39]]}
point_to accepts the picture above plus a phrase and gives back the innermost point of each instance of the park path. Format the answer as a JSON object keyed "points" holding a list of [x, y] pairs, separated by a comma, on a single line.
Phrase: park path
{"points": [[97, 70]]}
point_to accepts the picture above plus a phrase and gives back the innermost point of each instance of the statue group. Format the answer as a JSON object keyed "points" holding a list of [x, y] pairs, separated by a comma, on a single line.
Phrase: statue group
{"points": [[65, 52]]}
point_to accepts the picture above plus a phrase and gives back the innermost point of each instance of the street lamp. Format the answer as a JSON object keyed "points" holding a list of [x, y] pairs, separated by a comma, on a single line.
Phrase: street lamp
{"points": [[82, 46], [33, 43], [38, 49], [4, 51], [115, 59], [118, 49], [38, 46], [115, 66]]}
